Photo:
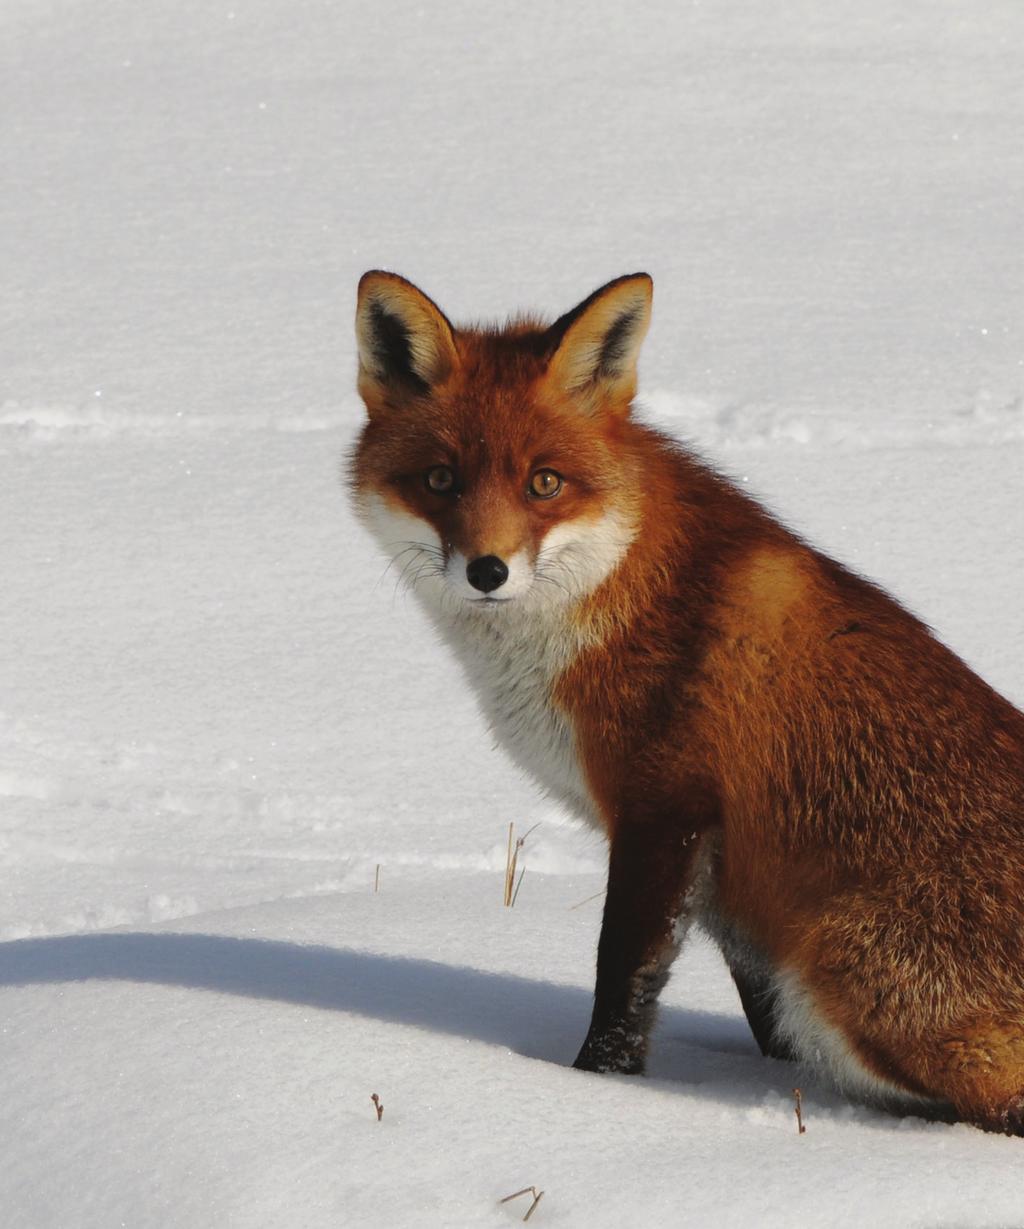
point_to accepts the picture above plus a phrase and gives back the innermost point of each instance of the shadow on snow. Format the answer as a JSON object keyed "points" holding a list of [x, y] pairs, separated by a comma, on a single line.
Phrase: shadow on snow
{"points": [[535, 1018]]}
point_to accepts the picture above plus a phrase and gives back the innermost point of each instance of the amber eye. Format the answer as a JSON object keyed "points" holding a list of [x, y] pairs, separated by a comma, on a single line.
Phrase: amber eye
{"points": [[440, 479], [545, 483]]}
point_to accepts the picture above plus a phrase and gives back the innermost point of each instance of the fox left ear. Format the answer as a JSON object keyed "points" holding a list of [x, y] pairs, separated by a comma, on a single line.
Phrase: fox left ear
{"points": [[406, 343], [595, 346]]}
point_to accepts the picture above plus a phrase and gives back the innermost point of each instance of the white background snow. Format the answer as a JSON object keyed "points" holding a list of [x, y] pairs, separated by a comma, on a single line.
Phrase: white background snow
{"points": [[217, 720]]}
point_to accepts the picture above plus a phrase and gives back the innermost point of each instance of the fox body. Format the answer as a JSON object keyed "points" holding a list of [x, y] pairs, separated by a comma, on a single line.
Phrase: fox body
{"points": [[772, 745]]}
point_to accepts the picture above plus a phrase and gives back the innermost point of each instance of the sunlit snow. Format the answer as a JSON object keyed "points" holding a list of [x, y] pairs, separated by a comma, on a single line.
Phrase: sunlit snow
{"points": [[221, 723]]}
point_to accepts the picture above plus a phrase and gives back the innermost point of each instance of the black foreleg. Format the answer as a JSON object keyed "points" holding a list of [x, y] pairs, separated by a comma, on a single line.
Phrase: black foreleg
{"points": [[650, 869]]}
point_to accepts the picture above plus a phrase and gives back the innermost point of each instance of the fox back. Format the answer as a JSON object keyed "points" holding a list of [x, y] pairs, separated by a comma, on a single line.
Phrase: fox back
{"points": [[772, 745]]}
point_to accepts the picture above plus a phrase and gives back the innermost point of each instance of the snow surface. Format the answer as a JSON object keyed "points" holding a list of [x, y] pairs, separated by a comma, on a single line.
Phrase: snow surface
{"points": [[218, 718]]}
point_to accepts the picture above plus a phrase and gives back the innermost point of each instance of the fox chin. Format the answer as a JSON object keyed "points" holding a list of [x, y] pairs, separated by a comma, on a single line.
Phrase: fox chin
{"points": [[773, 746]]}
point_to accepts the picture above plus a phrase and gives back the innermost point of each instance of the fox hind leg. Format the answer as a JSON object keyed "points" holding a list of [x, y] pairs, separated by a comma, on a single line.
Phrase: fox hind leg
{"points": [[757, 996], [981, 1070]]}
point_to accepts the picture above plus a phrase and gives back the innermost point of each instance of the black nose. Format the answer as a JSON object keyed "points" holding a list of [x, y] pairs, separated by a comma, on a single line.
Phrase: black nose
{"points": [[486, 573]]}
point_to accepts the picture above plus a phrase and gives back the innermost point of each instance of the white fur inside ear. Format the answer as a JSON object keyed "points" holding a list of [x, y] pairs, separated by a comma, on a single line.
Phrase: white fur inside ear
{"points": [[610, 351], [397, 327], [603, 344]]}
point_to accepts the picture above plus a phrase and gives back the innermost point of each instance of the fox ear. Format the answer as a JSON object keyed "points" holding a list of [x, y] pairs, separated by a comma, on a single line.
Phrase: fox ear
{"points": [[406, 343], [595, 346]]}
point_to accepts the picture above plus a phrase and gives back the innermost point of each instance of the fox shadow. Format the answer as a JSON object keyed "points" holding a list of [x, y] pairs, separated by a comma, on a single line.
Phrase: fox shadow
{"points": [[534, 1018]]}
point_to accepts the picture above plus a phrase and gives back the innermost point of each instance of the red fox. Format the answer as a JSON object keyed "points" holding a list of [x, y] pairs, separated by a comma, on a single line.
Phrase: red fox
{"points": [[772, 745]]}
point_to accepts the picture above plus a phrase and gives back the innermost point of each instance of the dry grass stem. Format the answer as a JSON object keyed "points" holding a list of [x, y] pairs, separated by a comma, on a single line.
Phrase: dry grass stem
{"points": [[378, 1105], [581, 903], [511, 859], [510, 865], [799, 1112], [527, 1190], [376, 879]]}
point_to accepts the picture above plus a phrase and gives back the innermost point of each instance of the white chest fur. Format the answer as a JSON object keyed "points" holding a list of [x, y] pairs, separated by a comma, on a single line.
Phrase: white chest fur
{"points": [[512, 664]]}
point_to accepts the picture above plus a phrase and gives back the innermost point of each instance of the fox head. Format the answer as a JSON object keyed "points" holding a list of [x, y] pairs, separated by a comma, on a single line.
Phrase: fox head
{"points": [[492, 468]]}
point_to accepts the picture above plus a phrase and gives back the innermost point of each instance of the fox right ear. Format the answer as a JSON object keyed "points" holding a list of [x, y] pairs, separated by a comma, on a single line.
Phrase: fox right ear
{"points": [[595, 346], [406, 343]]}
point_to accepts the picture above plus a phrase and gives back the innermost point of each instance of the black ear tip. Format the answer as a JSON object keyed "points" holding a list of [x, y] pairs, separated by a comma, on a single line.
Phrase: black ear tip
{"points": [[367, 282], [640, 283], [375, 276]]}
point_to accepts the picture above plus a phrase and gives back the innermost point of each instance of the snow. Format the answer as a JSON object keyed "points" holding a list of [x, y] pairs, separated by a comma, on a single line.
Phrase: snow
{"points": [[218, 718]]}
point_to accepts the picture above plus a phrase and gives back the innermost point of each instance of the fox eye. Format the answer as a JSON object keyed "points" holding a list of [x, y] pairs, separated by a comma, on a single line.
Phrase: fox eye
{"points": [[440, 479], [545, 483]]}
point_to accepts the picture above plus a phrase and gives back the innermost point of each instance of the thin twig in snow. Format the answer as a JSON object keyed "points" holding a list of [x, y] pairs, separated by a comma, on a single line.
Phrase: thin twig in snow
{"points": [[581, 903], [802, 1130], [527, 1190]]}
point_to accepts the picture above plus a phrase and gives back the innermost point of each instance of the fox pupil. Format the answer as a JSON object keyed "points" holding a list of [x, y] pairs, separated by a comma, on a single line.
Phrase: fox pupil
{"points": [[545, 483], [440, 479]]}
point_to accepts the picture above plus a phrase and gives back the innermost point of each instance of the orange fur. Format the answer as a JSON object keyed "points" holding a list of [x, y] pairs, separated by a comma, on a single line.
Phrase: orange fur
{"points": [[771, 743]]}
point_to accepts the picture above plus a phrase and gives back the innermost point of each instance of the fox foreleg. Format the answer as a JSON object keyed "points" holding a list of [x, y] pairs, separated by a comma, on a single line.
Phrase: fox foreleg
{"points": [[650, 871]]}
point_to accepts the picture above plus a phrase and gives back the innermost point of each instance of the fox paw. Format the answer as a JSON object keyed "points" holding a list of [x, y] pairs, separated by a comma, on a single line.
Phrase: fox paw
{"points": [[618, 1051], [1011, 1118]]}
